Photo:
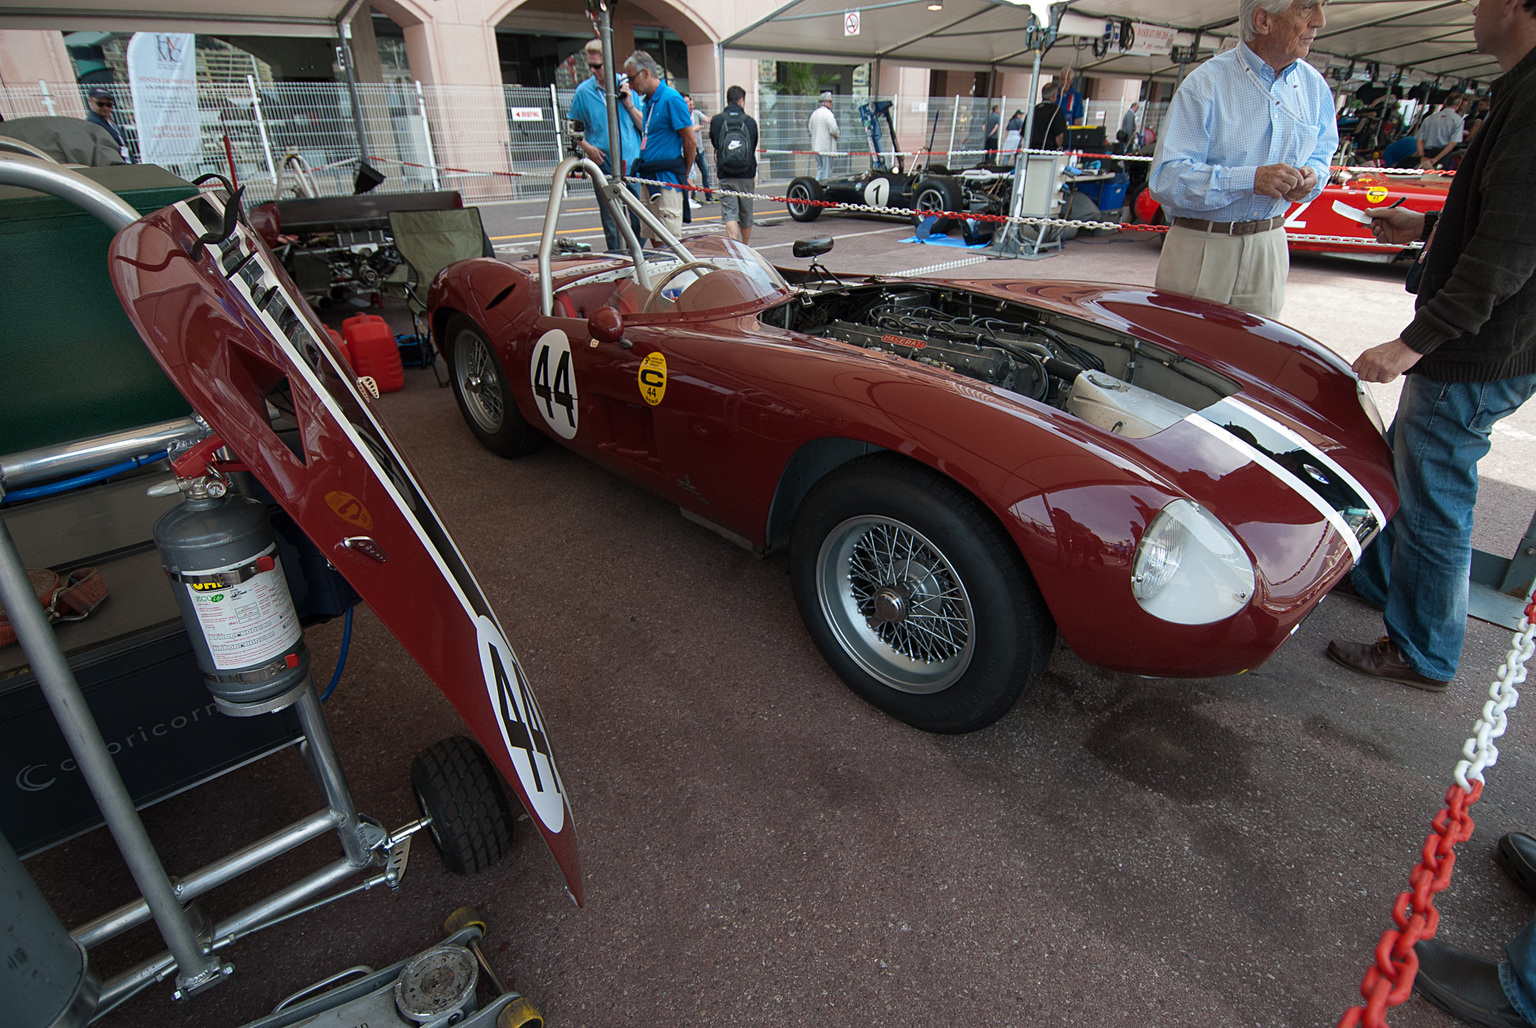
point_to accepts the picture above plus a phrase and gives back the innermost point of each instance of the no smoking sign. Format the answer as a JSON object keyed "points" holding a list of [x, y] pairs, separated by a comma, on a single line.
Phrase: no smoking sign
{"points": [[851, 23]]}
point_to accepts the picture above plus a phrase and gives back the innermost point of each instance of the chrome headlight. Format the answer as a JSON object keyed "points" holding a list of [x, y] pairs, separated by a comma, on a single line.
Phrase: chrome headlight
{"points": [[1189, 568]]}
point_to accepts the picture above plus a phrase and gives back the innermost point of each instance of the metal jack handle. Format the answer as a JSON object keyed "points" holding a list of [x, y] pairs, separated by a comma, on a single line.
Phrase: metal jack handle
{"points": [[197, 968], [465, 917]]}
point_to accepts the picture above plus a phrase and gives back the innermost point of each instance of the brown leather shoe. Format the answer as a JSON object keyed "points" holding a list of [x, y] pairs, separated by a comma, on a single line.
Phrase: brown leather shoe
{"points": [[1382, 659]]}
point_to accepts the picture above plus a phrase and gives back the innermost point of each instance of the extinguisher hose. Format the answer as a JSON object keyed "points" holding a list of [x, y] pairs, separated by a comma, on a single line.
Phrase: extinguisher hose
{"points": [[341, 657], [63, 485]]}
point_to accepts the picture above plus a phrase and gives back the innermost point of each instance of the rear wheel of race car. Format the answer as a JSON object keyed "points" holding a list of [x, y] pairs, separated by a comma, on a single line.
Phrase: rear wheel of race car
{"points": [[804, 195], [458, 787], [916, 597], [484, 392], [936, 194]]}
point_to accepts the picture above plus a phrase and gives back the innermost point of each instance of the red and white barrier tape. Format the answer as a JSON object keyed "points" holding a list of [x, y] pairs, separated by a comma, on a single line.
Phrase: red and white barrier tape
{"points": [[457, 171]]}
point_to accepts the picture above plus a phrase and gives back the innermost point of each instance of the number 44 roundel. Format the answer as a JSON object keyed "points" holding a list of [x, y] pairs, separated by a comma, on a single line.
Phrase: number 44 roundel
{"points": [[554, 382], [522, 726]]}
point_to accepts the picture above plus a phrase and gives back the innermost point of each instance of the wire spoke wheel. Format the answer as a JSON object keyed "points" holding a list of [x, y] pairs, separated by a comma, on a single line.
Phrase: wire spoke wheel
{"points": [[897, 604], [484, 392], [478, 380], [916, 597]]}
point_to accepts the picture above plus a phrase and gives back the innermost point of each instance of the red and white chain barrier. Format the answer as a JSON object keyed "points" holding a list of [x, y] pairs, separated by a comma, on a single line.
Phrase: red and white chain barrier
{"points": [[859, 208], [1118, 226], [1389, 980], [1009, 156]]}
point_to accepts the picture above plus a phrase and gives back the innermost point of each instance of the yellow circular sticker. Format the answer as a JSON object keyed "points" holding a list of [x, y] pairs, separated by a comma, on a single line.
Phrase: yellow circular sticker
{"points": [[1376, 194], [653, 378]]}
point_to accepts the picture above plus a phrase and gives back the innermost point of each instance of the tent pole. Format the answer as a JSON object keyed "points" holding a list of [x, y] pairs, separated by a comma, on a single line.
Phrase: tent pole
{"points": [[342, 31], [1008, 244]]}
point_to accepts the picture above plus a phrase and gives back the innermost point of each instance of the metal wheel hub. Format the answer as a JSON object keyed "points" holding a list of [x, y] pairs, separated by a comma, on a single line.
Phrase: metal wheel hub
{"points": [[896, 603], [890, 607], [478, 382]]}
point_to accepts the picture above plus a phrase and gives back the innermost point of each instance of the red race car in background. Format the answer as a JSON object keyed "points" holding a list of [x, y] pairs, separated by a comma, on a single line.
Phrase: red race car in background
{"points": [[1331, 223], [958, 470]]}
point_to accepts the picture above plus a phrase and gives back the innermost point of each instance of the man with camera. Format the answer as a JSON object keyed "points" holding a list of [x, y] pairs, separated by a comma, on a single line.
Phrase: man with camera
{"points": [[590, 106]]}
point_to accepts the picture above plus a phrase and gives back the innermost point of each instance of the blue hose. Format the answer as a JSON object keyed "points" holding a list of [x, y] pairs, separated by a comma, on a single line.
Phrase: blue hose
{"points": [[37, 492], [341, 658]]}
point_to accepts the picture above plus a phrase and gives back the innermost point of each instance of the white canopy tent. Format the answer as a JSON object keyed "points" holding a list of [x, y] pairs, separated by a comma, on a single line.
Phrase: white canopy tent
{"points": [[266, 18], [1424, 39]]}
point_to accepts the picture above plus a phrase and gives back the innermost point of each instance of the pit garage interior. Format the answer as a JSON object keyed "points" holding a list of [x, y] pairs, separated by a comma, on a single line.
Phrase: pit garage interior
{"points": [[757, 845]]}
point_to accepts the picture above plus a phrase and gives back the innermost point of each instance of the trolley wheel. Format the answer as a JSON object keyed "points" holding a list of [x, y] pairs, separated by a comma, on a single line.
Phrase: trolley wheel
{"points": [[458, 787], [463, 918], [519, 1014]]}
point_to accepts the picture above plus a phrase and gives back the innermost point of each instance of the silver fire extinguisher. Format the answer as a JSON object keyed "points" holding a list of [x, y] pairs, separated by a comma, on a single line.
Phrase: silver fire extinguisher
{"points": [[220, 554]]}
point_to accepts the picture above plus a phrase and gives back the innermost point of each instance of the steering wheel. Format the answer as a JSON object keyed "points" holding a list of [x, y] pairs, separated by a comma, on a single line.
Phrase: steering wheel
{"points": [[650, 301]]}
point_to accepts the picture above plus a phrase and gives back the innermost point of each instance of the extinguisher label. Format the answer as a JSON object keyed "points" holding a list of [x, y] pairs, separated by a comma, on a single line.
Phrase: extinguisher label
{"points": [[245, 612]]}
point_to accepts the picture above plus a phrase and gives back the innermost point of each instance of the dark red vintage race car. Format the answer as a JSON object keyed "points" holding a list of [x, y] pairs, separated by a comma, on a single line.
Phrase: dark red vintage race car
{"points": [[958, 469]]}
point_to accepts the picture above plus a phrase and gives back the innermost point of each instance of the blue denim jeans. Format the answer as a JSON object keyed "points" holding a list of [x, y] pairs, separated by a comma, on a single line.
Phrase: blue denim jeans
{"points": [[611, 234], [1518, 973], [1416, 570]]}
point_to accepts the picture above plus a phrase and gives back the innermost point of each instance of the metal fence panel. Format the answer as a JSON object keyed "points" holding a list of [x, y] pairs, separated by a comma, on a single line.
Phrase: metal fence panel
{"points": [[493, 142], [31, 101]]}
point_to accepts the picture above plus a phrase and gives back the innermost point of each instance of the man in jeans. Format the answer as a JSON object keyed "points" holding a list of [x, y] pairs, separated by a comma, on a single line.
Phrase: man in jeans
{"points": [[733, 133], [1470, 352]]}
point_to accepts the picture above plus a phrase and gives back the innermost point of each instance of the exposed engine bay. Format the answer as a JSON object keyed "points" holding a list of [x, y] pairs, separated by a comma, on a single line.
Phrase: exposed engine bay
{"points": [[1115, 381], [1120, 383]]}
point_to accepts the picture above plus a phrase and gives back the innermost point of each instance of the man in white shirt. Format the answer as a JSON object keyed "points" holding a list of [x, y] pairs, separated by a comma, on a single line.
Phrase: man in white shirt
{"points": [[1250, 132], [823, 126]]}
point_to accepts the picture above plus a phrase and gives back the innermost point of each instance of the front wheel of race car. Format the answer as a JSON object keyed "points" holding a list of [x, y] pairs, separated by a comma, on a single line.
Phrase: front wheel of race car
{"points": [[804, 196], [484, 392], [936, 194], [916, 597]]}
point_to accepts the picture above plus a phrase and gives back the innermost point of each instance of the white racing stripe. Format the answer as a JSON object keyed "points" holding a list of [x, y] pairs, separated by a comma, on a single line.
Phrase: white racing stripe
{"points": [[1268, 464], [1301, 444]]}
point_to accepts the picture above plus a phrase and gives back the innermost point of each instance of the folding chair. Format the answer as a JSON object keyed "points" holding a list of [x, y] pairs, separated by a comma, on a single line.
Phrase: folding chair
{"points": [[428, 242]]}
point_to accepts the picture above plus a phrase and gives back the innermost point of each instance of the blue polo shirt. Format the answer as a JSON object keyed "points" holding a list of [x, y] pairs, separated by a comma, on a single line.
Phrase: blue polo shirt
{"points": [[590, 105], [661, 142]]}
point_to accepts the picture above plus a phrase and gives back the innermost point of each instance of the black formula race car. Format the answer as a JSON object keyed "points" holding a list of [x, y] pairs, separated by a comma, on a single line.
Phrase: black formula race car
{"points": [[981, 190]]}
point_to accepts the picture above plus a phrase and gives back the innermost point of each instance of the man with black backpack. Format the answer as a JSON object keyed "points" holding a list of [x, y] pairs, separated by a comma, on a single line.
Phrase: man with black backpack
{"points": [[733, 132]]}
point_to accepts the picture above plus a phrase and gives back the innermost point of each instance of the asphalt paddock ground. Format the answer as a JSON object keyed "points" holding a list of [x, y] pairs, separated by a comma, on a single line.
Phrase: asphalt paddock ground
{"points": [[760, 847]]}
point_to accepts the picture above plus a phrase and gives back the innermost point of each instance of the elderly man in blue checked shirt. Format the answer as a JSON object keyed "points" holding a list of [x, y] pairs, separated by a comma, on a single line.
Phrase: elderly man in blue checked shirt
{"points": [[1248, 133]]}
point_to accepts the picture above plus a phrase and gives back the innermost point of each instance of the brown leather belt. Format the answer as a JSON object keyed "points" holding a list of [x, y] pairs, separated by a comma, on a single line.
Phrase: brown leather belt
{"points": [[1230, 228]]}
